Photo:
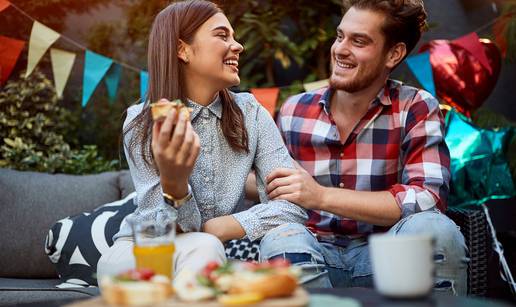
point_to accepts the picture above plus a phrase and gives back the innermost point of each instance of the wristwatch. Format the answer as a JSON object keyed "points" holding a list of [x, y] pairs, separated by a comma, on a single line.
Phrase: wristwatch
{"points": [[175, 202]]}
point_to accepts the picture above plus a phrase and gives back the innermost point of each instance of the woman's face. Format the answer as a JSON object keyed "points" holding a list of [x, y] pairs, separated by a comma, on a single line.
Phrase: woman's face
{"points": [[213, 55]]}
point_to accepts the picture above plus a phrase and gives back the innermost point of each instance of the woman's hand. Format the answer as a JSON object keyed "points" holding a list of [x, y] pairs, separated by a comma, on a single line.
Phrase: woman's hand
{"points": [[175, 147]]}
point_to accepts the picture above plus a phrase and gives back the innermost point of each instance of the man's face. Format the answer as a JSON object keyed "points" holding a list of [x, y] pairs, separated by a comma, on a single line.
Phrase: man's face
{"points": [[358, 56]]}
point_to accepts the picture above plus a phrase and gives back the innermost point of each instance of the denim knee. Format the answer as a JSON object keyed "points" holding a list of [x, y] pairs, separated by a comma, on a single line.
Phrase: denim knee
{"points": [[450, 248], [289, 238], [445, 232], [298, 245]]}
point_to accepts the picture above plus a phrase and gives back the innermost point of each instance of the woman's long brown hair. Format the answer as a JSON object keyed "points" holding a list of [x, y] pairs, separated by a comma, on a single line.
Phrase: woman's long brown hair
{"points": [[179, 20]]}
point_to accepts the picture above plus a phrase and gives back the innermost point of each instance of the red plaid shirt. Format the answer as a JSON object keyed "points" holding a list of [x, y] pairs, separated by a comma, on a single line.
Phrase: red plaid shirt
{"points": [[398, 146]]}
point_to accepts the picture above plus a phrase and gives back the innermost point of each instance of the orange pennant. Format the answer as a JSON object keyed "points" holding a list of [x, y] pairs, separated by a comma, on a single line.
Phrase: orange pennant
{"points": [[4, 4], [10, 50], [267, 97]]}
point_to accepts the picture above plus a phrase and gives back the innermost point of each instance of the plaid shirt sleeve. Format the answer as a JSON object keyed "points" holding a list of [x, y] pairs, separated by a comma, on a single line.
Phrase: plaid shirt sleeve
{"points": [[425, 158]]}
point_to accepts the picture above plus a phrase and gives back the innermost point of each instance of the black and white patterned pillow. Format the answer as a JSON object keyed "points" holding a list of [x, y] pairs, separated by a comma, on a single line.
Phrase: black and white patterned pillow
{"points": [[244, 250], [75, 244]]}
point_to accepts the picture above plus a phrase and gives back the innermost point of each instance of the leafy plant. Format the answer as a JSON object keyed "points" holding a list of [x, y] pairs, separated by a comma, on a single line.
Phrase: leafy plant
{"points": [[32, 130], [505, 30]]}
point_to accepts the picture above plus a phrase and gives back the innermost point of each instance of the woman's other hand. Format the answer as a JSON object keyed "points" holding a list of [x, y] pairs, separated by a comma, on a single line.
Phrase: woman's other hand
{"points": [[175, 147]]}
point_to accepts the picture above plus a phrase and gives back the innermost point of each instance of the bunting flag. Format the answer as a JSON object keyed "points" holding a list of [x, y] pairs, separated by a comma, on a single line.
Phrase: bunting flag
{"points": [[144, 84], [112, 80], [267, 97], [95, 67], [41, 38], [315, 85], [10, 50], [422, 69], [62, 63], [471, 43], [4, 4]]}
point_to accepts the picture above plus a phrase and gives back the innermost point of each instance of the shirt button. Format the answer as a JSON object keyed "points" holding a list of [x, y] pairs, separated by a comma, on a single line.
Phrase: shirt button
{"points": [[341, 185], [341, 154]]}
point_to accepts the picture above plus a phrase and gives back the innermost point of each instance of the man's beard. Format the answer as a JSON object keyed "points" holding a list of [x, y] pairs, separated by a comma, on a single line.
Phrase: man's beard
{"points": [[363, 80]]}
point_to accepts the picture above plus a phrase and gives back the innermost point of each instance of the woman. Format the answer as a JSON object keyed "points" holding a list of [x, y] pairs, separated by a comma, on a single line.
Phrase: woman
{"points": [[202, 163]]}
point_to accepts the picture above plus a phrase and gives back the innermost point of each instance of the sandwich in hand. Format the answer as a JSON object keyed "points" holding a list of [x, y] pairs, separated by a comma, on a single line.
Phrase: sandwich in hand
{"points": [[160, 109]]}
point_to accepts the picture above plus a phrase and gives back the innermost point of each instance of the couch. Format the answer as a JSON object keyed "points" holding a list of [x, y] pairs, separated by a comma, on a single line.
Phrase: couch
{"points": [[30, 203]]}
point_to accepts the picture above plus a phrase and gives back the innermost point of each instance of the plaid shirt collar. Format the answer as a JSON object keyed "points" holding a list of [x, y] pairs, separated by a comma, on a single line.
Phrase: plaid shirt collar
{"points": [[382, 97]]}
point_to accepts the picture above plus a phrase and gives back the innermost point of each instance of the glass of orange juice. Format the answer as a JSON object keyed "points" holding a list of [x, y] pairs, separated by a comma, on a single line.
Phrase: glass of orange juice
{"points": [[154, 242]]}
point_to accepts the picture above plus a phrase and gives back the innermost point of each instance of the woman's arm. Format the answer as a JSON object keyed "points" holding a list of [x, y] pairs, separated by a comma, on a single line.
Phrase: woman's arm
{"points": [[251, 190], [271, 153], [149, 189]]}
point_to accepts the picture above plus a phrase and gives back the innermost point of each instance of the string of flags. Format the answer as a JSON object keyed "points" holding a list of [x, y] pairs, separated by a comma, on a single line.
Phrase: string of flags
{"points": [[99, 68]]}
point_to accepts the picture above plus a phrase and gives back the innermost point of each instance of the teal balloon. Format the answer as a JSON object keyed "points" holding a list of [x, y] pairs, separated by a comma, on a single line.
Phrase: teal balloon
{"points": [[95, 67], [112, 80], [479, 168]]}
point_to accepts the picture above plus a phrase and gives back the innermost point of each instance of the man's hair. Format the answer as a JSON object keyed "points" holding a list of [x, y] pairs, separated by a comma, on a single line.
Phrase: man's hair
{"points": [[405, 20]]}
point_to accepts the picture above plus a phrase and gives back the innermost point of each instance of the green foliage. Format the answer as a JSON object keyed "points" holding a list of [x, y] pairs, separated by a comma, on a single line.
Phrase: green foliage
{"points": [[32, 130], [284, 32], [509, 30]]}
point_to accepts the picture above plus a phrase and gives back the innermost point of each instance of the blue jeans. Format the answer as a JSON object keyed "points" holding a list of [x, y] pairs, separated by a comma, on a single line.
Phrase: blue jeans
{"points": [[326, 265]]}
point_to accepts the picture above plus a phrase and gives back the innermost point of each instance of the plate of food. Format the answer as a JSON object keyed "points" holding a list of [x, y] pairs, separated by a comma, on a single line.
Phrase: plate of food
{"points": [[268, 284]]}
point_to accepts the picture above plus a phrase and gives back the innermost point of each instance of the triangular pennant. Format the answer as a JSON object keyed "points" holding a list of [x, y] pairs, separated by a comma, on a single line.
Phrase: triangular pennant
{"points": [[144, 81], [62, 63], [95, 67], [41, 38], [267, 98], [10, 50], [4, 4], [422, 69], [315, 85], [112, 80], [472, 44]]}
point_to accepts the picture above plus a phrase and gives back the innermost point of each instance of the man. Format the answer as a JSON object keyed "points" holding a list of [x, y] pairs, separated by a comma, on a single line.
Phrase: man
{"points": [[374, 154]]}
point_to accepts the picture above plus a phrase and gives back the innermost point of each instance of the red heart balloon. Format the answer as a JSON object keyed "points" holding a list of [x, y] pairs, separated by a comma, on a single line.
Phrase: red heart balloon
{"points": [[460, 78]]}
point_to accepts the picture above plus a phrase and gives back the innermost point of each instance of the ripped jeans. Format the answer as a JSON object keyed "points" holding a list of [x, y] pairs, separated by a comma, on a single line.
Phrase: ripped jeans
{"points": [[326, 265]]}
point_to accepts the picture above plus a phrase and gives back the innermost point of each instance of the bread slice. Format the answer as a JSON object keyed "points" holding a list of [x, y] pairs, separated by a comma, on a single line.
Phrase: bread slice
{"points": [[274, 284], [135, 293], [160, 109]]}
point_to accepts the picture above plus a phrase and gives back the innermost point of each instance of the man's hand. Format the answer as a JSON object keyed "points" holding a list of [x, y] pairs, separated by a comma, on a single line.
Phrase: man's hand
{"points": [[295, 186]]}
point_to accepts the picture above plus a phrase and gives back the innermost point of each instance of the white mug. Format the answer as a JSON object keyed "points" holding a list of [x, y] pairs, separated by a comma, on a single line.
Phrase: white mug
{"points": [[403, 265]]}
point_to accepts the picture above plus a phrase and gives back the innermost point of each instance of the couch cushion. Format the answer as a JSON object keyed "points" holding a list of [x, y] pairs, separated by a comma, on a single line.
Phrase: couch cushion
{"points": [[31, 202], [21, 291], [125, 183], [75, 244]]}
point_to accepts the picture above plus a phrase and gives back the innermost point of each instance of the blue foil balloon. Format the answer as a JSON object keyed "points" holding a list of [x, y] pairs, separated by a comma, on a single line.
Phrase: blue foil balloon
{"points": [[479, 168]]}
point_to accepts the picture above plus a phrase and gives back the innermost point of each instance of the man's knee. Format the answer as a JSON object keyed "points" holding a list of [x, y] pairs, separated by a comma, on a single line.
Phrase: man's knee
{"points": [[445, 232], [288, 239]]}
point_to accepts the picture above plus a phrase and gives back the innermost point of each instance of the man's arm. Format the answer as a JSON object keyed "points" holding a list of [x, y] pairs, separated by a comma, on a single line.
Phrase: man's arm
{"points": [[425, 176], [297, 186]]}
